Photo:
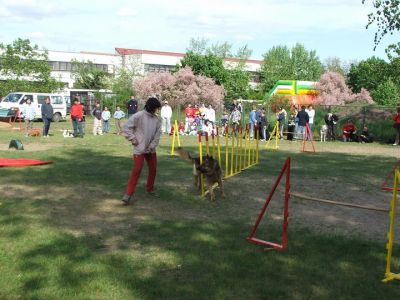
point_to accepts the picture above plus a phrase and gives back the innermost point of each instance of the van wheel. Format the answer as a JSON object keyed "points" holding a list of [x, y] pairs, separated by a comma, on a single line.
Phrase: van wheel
{"points": [[56, 117]]}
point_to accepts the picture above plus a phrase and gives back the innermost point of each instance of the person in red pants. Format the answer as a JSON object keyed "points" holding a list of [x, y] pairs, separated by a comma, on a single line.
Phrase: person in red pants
{"points": [[143, 130]]}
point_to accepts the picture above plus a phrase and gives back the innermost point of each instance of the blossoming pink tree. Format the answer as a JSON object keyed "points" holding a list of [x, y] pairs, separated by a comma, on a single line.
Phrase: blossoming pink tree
{"points": [[334, 91], [181, 88]]}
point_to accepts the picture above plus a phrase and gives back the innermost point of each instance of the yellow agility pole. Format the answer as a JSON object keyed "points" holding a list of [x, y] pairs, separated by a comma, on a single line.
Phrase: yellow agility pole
{"points": [[249, 149], [257, 148], [233, 143], [201, 161], [246, 147], [241, 148], [173, 138], [218, 149], [207, 145], [389, 276], [213, 145], [275, 132], [237, 153], [226, 152]]}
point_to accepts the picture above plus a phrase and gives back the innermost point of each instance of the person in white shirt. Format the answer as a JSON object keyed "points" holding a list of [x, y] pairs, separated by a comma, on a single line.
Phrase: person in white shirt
{"points": [[29, 115], [166, 114], [210, 114], [311, 114]]}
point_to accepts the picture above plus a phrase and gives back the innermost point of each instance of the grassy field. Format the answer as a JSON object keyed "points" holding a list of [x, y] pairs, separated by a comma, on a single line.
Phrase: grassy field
{"points": [[65, 235]]}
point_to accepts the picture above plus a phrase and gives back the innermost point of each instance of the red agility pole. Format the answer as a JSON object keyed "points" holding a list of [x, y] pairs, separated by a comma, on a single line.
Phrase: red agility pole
{"points": [[307, 133], [250, 238], [384, 186]]}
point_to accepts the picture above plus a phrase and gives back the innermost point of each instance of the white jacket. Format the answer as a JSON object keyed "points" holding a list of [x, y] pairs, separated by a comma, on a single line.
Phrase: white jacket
{"points": [[166, 112]]}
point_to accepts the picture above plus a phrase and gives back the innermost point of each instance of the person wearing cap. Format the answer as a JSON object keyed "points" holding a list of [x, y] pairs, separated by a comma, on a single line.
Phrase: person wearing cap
{"points": [[166, 114], [143, 130]]}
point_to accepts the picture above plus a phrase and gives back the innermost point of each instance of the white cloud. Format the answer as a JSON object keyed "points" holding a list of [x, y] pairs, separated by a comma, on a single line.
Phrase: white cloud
{"points": [[127, 12]]}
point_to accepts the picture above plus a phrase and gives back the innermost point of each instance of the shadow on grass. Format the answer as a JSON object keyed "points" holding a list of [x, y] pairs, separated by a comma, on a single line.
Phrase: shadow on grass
{"points": [[182, 259]]}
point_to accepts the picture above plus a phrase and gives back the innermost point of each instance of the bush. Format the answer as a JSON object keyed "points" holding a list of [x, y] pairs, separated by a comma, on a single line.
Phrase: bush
{"points": [[387, 93]]}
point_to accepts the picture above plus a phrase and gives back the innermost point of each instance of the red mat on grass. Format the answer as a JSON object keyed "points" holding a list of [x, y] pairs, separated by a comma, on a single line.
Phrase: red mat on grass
{"points": [[22, 162]]}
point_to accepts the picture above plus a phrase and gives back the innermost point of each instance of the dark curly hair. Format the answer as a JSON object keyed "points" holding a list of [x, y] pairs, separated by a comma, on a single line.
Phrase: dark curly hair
{"points": [[152, 104]]}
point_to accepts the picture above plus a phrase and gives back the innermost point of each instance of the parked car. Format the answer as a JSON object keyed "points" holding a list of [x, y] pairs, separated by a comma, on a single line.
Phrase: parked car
{"points": [[17, 100]]}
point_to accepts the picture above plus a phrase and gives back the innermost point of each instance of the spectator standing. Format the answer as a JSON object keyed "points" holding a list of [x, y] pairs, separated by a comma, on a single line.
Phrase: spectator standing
{"points": [[47, 116], [311, 114], [188, 116], [210, 114], [29, 115], [235, 118], [143, 130], [166, 114], [96, 113], [118, 116], [132, 106], [263, 125], [105, 116], [76, 117], [252, 122], [396, 126], [303, 120], [281, 117]]}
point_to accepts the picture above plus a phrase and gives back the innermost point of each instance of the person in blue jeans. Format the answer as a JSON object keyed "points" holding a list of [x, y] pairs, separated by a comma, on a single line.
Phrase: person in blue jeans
{"points": [[252, 121], [106, 115]]}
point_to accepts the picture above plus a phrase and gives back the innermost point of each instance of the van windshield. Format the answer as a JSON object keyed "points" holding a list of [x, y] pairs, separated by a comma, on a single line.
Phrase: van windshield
{"points": [[13, 97]]}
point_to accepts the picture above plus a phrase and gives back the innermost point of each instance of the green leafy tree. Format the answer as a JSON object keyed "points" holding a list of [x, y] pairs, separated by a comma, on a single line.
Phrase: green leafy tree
{"points": [[368, 74], [25, 68], [387, 93], [88, 76], [387, 19], [295, 64], [121, 83], [208, 65]]}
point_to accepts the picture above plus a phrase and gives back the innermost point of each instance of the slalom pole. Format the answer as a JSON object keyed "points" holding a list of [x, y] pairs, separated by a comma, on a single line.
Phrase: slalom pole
{"points": [[201, 161], [173, 138], [257, 148], [237, 168], [218, 148], [249, 152], [207, 145], [226, 151], [213, 144], [233, 142], [241, 149]]}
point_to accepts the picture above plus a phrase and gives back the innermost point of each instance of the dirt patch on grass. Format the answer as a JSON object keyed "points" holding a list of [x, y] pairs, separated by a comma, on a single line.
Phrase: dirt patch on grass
{"points": [[32, 146]]}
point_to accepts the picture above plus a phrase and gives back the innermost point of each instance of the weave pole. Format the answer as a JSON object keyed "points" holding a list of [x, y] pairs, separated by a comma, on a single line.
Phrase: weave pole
{"points": [[389, 275], [201, 161]]}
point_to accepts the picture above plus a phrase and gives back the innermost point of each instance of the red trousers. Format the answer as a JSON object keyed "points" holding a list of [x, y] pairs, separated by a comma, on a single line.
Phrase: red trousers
{"points": [[138, 159]]}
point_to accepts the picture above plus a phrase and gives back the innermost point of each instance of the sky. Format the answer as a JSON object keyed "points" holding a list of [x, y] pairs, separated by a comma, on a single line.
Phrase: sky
{"points": [[333, 28]]}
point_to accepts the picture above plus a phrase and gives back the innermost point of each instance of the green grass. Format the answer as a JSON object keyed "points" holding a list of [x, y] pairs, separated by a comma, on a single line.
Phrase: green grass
{"points": [[64, 234]]}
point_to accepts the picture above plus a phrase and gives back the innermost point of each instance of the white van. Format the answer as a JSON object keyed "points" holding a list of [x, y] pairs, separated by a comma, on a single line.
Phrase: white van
{"points": [[18, 99]]}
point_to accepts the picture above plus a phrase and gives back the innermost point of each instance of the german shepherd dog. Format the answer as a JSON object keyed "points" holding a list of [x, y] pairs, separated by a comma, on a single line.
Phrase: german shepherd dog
{"points": [[209, 168]]}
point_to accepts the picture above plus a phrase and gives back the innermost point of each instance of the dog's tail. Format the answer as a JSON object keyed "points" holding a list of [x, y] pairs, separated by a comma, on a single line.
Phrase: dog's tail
{"points": [[184, 154]]}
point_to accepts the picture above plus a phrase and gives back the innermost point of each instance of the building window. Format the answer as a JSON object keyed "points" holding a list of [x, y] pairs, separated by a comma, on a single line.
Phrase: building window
{"points": [[158, 68]]}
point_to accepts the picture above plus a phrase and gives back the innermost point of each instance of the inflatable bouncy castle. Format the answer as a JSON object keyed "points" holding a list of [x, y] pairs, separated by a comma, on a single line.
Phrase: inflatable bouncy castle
{"points": [[296, 91]]}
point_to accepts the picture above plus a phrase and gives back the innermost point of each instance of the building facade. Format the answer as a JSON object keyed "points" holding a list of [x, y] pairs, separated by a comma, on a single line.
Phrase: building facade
{"points": [[143, 61]]}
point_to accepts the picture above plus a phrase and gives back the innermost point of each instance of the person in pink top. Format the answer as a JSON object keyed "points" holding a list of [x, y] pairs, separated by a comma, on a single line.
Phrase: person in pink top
{"points": [[143, 130]]}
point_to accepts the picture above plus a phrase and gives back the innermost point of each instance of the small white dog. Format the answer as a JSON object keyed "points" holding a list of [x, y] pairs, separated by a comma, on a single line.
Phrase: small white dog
{"points": [[323, 132], [67, 133]]}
